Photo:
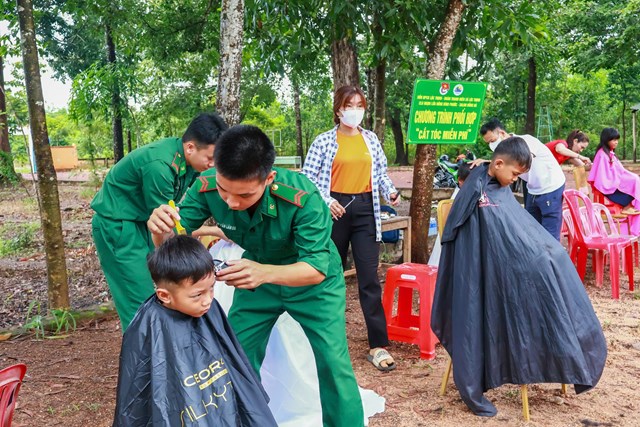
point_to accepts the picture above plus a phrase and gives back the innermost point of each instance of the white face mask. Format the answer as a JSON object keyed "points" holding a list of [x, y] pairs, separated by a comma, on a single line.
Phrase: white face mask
{"points": [[352, 118], [494, 144]]}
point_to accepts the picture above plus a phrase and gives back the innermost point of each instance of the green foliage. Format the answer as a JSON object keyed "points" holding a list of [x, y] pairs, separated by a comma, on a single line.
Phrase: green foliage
{"points": [[34, 319], [17, 238], [63, 320], [7, 172], [580, 102], [92, 89], [58, 321]]}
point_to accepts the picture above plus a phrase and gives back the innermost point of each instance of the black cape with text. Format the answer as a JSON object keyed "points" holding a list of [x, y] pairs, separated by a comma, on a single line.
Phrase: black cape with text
{"points": [[509, 306], [178, 370]]}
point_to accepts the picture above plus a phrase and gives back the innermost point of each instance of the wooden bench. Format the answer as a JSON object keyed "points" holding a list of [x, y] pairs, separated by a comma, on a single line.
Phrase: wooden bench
{"points": [[293, 161]]}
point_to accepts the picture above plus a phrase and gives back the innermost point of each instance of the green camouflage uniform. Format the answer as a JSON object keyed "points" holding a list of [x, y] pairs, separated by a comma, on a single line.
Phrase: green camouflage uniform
{"points": [[143, 180], [291, 224]]}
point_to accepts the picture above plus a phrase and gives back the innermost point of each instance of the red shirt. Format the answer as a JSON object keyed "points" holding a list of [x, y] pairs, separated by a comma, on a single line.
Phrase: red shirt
{"points": [[552, 146]]}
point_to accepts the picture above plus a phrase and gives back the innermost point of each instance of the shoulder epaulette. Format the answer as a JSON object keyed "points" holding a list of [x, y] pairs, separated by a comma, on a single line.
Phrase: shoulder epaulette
{"points": [[178, 163], [207, 183], [292, 195]]}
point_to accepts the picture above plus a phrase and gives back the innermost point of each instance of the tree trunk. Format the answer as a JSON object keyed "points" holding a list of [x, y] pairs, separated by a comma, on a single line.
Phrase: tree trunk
{"points": [[296, 107], [368, 119], [402, 158], [118, 137], [7, 171], [231, 36], [530, 125], [129, 141], [424, 166], [344, 63], [58, 287], [380, 120]]}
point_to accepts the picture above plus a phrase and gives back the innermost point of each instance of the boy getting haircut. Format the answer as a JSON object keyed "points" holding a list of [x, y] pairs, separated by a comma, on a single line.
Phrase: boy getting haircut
{"points": [[463, 173], [521, 312], [290, 263], [179, 259], [514, 150], [180, 363]]}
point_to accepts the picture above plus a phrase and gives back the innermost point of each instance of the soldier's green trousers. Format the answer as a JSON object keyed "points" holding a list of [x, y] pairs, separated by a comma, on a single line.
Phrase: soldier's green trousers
{"points": [[320, 311], [122, 248]]}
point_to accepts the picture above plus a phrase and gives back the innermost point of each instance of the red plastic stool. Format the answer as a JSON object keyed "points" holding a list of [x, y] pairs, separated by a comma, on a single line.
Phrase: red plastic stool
{"points": [[406, 326]]}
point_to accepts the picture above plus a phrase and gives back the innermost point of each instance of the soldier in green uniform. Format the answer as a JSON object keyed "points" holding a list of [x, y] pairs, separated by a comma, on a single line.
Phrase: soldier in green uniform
{"points": [[144, 179], [290, 262]]}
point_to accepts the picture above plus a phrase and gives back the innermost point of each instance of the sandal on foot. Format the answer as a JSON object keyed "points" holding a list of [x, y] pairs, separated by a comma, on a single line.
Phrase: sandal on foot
{"points": [[379, 356], [630, 211]]}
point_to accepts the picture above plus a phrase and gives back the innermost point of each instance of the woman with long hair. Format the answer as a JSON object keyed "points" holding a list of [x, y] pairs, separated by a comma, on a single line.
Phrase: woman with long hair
{"points": [[571, 148], [349, 167]]}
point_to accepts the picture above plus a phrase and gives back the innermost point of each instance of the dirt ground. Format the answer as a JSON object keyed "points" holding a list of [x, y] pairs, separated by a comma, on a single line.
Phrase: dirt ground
{"points": [[71, 380]]}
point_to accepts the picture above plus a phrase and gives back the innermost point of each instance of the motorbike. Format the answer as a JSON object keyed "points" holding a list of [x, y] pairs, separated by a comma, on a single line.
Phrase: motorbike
{"points": [[446, 174]]}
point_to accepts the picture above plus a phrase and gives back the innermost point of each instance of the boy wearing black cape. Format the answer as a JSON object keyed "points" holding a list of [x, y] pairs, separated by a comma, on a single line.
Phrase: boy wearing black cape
{"points": [[509, 306], [180, 363]]}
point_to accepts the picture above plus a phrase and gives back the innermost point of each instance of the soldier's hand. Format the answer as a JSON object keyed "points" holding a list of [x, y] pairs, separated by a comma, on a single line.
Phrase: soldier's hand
{"points": [[210, 230], [337, 210], [243, 274], [162, 221], [477, 162]]}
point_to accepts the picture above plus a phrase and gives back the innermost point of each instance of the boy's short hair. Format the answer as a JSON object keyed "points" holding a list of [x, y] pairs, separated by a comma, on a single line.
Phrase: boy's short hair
{"points": [[244, 153], [463, 171], [514, 149], [178, 259], [205, 129]]}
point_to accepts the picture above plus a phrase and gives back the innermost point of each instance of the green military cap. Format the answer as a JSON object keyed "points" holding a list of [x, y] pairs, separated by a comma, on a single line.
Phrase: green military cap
{"points": [[292, 195]]}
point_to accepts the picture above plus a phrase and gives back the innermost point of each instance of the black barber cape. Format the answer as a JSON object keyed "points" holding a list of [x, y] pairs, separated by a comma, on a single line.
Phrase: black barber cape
{"points": [[509, 306], [177, 370]]}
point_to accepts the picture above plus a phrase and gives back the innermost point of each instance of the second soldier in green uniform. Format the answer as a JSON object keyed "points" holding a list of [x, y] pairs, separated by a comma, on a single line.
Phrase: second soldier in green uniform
{"points": [[290, 262], [143, 180]]}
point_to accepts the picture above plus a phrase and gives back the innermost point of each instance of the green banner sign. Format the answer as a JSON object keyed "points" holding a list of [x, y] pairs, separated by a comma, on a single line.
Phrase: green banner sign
{"points": [[445, 112]]}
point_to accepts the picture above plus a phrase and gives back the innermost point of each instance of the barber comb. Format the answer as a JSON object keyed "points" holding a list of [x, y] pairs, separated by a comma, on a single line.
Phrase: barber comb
{"points": [[179, 228]]}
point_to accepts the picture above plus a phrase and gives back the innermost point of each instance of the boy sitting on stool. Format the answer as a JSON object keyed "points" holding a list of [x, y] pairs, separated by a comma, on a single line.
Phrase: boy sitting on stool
{"points": [[509, 306], [180, 362]]}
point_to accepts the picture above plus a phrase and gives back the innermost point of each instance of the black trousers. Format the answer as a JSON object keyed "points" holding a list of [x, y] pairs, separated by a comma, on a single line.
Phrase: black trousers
{"points": [[357, 226]]}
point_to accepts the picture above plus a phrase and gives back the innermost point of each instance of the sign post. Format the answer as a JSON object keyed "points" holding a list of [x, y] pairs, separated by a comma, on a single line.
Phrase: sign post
{"points": [[445, 112]]}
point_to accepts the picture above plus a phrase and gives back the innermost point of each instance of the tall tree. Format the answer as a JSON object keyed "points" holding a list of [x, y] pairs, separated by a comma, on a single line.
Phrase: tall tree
{"points": [[116, 119], [424, 166], [229, 74], [81, 41], [344, 62], [532, 82], [58, 286], [379, 81], [341, 27], [7, 171], [298, 114]]}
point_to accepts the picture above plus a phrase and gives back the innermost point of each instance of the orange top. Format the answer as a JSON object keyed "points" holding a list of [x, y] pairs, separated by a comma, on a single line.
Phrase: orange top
{"points": [[351, 169]]}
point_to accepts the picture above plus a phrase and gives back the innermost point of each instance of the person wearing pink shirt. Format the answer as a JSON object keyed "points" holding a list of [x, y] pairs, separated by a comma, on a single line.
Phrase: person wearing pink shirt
{"points": [[615, 182]]}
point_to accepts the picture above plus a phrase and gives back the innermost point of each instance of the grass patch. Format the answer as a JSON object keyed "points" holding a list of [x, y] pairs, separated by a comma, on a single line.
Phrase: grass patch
{"points": [[59, 321], [17, 238], [87, 193]]}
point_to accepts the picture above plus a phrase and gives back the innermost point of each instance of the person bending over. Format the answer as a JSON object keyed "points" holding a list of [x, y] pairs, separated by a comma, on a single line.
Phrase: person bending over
{"points": [[289, 264]]}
